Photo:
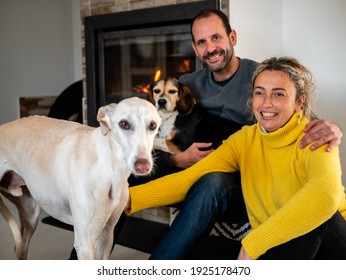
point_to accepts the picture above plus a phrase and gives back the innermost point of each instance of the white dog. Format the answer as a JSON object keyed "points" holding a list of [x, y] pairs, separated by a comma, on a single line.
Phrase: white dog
{"points": [[76, 173]]}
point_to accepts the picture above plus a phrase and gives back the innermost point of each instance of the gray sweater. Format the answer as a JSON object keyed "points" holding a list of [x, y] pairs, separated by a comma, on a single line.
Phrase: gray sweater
{"points": [[228, 101]]}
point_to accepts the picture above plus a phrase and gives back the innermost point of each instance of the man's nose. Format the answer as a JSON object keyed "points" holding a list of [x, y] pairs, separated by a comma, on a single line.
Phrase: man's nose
{"points": [[210, 46]]}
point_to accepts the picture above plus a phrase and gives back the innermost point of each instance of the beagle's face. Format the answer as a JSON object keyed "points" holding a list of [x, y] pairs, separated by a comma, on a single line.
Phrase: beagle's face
{"points": [[166, 94]]}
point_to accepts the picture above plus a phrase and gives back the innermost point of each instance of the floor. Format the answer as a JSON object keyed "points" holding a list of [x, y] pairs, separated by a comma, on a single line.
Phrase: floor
{"points": [[52, 243]]}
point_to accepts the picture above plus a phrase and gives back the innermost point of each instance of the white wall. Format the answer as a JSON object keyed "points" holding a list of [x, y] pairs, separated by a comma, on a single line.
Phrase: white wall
{"points": [[77, 40], [38, 53], [314, 31]]}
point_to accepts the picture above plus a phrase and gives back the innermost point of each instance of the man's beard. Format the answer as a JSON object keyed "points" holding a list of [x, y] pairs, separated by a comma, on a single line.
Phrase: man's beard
{"points": [[227, 57]]}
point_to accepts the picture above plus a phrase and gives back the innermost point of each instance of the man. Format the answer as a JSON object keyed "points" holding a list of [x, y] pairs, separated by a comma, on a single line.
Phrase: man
{"points": [[223, 88]]}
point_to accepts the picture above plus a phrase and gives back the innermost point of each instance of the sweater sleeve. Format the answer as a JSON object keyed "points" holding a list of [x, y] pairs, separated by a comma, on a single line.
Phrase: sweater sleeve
{"points": [[316, 202], [173, 188]]}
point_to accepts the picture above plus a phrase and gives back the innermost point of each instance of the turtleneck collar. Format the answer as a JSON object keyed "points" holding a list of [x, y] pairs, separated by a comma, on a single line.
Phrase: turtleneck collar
{"points": [[286, 135]]}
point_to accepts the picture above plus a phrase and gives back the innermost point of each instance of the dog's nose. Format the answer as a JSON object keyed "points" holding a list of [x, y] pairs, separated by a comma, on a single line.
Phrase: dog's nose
{"points": [[142, 166], [162, 103]]}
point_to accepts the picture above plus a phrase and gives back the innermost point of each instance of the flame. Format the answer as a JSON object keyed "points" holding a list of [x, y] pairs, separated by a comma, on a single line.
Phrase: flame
{"points": [[157, 75], [145, 88], [142, 88], [185, 66]]}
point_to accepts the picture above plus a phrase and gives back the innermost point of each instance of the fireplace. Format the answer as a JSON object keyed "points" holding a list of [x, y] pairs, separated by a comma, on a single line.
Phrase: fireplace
{"points": [[126, 51], [132, 60]]}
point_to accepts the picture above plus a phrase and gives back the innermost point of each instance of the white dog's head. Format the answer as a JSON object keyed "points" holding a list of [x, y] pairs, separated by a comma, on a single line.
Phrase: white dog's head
{"points": [[134, 123]]}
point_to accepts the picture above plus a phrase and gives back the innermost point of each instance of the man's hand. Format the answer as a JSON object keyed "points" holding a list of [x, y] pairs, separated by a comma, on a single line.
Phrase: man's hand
{"points": [[191, 155], [323, 132], [243, 255]]}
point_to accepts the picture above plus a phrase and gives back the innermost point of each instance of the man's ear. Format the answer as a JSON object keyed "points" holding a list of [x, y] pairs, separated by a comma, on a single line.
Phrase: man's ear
{"points": [[194, 48], [103, 117], [233, 37]]}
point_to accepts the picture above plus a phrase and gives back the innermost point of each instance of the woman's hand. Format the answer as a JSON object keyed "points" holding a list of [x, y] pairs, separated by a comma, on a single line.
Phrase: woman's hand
{"points": [[127, 208], [243, 255]]}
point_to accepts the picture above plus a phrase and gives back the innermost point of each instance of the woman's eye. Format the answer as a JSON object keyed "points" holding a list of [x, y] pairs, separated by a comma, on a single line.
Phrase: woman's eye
{"points": [[279, 94]]}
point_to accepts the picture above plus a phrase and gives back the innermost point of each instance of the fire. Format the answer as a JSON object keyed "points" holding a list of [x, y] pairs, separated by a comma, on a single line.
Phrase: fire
{"points": [[185, 66], [145, 88], [157, 75]]}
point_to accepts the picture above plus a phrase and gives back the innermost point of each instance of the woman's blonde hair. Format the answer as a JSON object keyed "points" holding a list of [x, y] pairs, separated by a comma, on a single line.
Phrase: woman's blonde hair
{"points": [[297, 73]]}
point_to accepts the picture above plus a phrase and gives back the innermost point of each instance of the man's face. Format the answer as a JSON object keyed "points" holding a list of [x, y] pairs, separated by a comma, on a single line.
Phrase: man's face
{"points": [[212, 45]]}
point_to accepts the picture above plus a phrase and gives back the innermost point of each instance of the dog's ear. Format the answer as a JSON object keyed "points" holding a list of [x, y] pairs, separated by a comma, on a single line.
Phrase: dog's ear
{"points": [[150, 95], [186, 100], [103, 115]]}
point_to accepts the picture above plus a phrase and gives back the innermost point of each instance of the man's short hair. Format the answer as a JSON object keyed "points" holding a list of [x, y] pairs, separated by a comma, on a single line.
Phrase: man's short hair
{"points": [[207, 13]]}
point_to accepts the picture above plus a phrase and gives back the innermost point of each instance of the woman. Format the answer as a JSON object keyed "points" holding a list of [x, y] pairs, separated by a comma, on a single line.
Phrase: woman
{"points": [[294, 197]]}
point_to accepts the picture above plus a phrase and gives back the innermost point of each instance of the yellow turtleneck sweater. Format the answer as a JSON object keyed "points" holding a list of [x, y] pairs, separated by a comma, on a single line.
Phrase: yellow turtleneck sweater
{"points": [[288, 191]]}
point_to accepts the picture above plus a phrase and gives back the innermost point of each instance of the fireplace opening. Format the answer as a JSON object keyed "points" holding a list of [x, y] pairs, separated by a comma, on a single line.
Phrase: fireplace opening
{"points": [[125, 52], [133, 61]]}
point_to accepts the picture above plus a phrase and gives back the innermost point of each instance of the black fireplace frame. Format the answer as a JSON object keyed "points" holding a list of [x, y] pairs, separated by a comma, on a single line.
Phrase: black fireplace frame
{"points": [[136, 19]]}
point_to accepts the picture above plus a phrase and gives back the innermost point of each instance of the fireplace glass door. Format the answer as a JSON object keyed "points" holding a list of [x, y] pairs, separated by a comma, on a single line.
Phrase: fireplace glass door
{"points": [[131, 60]]}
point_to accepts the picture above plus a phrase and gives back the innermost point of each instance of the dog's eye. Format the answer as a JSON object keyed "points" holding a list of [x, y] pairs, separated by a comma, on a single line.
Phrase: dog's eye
{"points": [[124, 124], [156, 91], [172, 91], [152, 125]]}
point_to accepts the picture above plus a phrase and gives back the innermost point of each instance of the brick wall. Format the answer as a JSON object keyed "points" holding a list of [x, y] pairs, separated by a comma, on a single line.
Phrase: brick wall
{"points": [[98, 7]]}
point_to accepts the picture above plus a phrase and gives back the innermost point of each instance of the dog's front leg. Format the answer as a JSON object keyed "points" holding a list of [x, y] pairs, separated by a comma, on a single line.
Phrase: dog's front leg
{"points": [[87, 224], [93, 231], [165, 145], [105, 243], [85, 240]]}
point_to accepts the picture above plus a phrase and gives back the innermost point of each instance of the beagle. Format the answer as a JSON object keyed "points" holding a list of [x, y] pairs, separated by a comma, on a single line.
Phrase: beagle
{"points": [[183, 120]]}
